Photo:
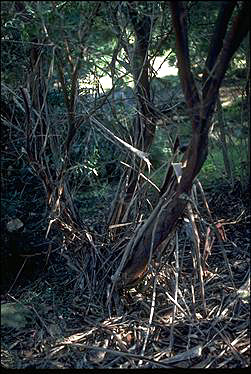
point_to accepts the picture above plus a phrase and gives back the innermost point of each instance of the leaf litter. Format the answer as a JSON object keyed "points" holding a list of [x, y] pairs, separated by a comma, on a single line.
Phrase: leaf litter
{"points": [[190, 311]]}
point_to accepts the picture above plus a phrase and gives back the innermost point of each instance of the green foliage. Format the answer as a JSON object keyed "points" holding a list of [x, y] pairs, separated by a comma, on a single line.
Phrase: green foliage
{"points": [[201, 23], [160, 150], [213, 168], [55, 98]]}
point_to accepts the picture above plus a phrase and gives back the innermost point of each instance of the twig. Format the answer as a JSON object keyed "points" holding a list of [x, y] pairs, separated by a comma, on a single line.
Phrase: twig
{"points": [[176, 290], [150, 318]]}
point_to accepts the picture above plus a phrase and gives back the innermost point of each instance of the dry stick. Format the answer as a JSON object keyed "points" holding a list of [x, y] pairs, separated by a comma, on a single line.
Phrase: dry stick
{"points": [[132, 201], [43, 323], [182, 254], [115, 277], [41, 109], [184, 301], [17, 275], [176, 290], [198, 256], [176, 303], [230, 345], [189, 335], [140, 189], [194, 270], [154, 229], [213, 227], [204, 198], [150, 318], [113, 352], [50, 72], [115, 139], [224, 254]]}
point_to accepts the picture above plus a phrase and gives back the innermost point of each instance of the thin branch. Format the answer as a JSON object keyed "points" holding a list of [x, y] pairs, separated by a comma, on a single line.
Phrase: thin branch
{"points": [[233, 39], [216, 44]]}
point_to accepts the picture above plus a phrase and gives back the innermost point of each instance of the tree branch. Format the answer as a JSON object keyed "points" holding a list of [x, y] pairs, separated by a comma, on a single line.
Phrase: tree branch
{"points": [[217, 41], [233, 39], [179, 19]]}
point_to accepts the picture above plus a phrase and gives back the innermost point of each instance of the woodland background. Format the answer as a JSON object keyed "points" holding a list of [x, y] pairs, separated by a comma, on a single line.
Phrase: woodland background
{"points": [[125, 179]]}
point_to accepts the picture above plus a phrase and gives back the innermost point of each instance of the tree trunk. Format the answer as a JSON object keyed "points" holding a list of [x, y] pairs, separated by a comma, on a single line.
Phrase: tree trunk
{"points": [[163, 219]]}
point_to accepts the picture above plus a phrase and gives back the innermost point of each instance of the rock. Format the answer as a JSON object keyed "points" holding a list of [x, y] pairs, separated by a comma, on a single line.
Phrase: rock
{"points": [[14, 225], [15, 315]]}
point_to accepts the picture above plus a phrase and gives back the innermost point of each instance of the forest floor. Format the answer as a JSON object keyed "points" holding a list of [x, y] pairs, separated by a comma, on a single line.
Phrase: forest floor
{"points": [[172, 319]]}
